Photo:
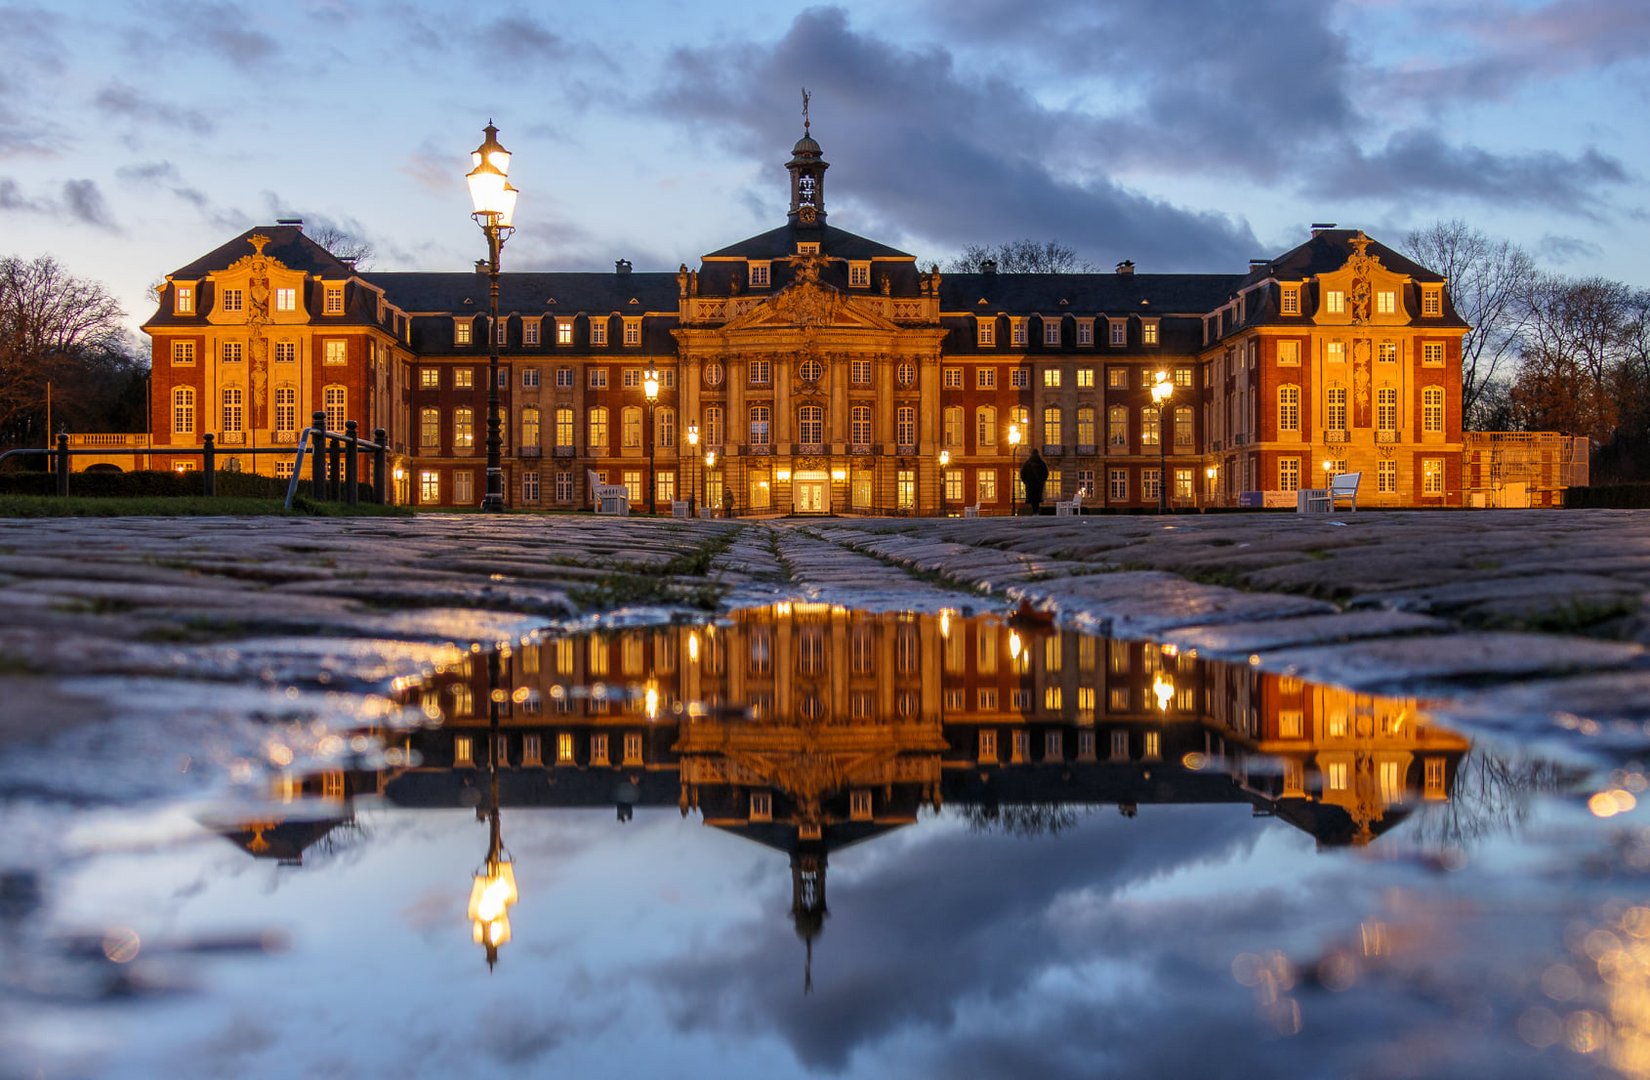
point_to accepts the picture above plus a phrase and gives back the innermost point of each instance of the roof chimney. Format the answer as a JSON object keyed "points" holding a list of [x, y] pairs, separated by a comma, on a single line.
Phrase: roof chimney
{"points": [[989, 266], [1258, 264], [1126, 267], [621, 266], [297, 222], [1321, 226]]}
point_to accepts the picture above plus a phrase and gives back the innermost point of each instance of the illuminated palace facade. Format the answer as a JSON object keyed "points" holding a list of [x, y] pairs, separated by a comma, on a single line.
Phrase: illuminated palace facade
{"points": [[829, 372]]}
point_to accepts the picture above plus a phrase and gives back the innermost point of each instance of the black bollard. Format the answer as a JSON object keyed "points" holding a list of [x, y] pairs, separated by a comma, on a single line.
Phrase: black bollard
{"points": [[379, 490], [318, 457], [63, 466], [352, 464], [209, 465]]}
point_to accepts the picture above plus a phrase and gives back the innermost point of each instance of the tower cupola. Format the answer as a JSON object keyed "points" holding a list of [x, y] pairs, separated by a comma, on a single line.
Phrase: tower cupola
{"points": [[807, 168]]}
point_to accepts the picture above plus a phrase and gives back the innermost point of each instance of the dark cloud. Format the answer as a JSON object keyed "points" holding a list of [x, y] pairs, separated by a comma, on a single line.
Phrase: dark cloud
{"points": [[1564, 249], [1419, 162], [84, 201], [926, 150], [162, 174], [520, 37], [12, 198], [122, 100]]}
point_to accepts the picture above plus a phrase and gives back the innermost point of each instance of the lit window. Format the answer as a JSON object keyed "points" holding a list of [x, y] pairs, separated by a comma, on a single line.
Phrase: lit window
{"points": [[1117, 378], [951, 429], [429, 378], [336, 352], [464, 428], [183, 299], [1334, 301], [1432, 301], [759, 275], [1117, 426], [183, 410], [1148, 332], [1290, 304], [1432, 353], [335, 300], [630, 427], [632, 331], [859, 275], [1289, 352], [1183, 376], [1085, 378], [1052, 425], [1289, 474], [1335, 351], [1386, 303], [1051, 377], [429, 427], [985, 378], [286, 299], [985, 486], [1388, 352], [1432, 409], [985, 426], [564, 332], [598, 428], [564, 425], [285, 352], [464, 378]]}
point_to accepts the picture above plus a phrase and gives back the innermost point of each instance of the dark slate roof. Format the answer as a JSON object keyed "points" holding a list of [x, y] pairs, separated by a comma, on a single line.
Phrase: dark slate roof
{"points": [[781, 242], [1111, 294], [1327, 251], [572, 292], [286, 243]]}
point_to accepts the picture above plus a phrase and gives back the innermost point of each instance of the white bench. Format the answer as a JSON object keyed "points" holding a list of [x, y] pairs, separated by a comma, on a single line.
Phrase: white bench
{"points": [[1072, 507], [679, 508], [1322, 500], [971, 511], [609, 498]]}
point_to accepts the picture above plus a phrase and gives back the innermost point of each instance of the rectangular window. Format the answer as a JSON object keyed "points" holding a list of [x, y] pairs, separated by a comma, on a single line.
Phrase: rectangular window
{"points": [[985, 378], [1335, 352], [233, 300], [759, 425], [1290, 302], [564, 486], [985, 486], [1085, 378], [859, 275], [429, 378], [1388, 353], [1289, 352], [232, 408], [1334, 302], [1051, 377], [632, 330], [464, 378], [464, 428], [530, 332], [463, 487], [530, 378], [1432, 353], [1387, 477], [759, 275], [564, 378], [598, 332], [429, 486], [183, 299], [1386, 303], [461, 332], [335, 300], [906, 488], [1117, 484], [286, 299], [1017, 332], [336, 352], [1335, 408], [859, 373], [564, 332], [598, 378], [759, 372], [429, 427], [1432, 302], [286, 410], [953, 486], [286, 352], [1051, 331], [183, 352], [953, 378], [1117, 378], [1149, 481], [1148, 332], [985, 331], [1289, 474], [1019, 378]]}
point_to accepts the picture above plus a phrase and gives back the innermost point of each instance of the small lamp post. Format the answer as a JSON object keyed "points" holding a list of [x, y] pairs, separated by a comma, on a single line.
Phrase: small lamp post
{"points": [[1162, 391], [710, 463], [945, 464], [1014, 437], [1209, 475], [495, 207], [1328, 472], [693, 455], [650, 390]]}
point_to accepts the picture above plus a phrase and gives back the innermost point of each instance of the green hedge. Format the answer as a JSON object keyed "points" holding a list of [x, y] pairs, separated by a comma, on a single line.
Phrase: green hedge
{"points": [[155, 484], [1608, 497]]}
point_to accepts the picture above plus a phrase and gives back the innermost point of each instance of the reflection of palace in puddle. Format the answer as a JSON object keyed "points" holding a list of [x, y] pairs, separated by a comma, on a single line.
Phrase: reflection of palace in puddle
{"points": [[808, 728]]}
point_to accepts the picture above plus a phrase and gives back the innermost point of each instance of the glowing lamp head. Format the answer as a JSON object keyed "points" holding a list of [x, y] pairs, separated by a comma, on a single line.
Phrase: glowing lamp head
{"points": [[650, 384], [945, 459], [693, 434], [1163, 690], [1014, 435], [1014, 645], [651, 701], [490, 191], [710, 459], [491, 894]]}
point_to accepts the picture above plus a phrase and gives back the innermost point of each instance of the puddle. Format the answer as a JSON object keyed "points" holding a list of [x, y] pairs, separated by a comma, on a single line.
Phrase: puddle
{"points": [[813, 841]]}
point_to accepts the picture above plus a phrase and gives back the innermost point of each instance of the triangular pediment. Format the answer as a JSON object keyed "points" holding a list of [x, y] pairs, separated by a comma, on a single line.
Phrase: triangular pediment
{"points": [[811, 304]]}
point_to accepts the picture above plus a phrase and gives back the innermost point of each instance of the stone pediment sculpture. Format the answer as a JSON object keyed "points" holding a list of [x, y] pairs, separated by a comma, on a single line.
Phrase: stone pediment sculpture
{"points": [[808, 303]]}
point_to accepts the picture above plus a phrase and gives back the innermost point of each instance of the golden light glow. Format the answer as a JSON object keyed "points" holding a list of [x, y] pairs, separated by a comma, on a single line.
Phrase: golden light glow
{"points": [[1163, 690], [782, 475], [693, 435], [1014, 435], [1609, 803], [1211, 472], [839, 475], [710, 459], [491, 894], [1162, 389], [652, 700], [650, 384], [1014, 645], [945, 459], [490, 192], [945, 623], [693, 647]]}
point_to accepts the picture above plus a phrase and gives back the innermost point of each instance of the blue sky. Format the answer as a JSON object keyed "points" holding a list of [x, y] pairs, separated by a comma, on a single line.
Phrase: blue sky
{"points": [[1186, 136]]}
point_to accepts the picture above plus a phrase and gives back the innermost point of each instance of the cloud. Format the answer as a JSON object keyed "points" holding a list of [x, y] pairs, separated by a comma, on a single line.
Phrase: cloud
{"points": [[1564, 249], [162, 174], [1419, 162], [520, 37], [12, 198], [84, 201], [959, 158], [119, 99]]}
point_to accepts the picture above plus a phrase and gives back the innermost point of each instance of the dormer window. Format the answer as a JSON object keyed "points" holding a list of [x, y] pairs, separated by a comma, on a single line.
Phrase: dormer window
{"points": [[859, 275], [985, 331], [461, 332], [1051, 331], [807, 247], [335, 300], [183, 299], [1290, 301], [1017, 332], [286, 299], [232, 300], [1432, 301], [632, 330], [759, 274], [1148, 331], [564, 331], [529, 331], [1119, 333]]}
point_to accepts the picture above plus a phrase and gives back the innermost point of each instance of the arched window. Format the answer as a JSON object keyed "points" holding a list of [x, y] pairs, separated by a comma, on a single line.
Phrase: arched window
{"points": [[1085, 425], [464, 427], [286, 409], [598, 428], [1053, 426], [810, 424], [233, 409], [564, 425], [1021, 415], [1386, 408], [985, 426], [859, 425], [953, 425], [530, 425], [1150, 428], [905, 426], [759, 425], [1289, 407], [183, 410], [333, 400], [1432, 409], [429, 427], [1117, 425], [630, 421]]}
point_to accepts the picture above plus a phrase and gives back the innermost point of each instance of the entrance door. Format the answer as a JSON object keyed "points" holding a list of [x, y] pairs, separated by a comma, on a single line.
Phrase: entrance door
{"points": [[810, 494]]}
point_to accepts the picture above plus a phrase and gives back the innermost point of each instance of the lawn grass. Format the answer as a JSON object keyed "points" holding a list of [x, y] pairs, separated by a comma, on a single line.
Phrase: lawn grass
{"points": [[42, 506]]}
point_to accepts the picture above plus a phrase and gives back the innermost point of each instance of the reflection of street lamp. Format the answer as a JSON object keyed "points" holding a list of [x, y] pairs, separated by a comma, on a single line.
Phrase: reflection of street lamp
{"points": [[1014, 437], [693, 455], [1162, 390], [1014, 646], [650, 390], [494, 888], [495, 208], [945, 463], [1163, 690]]}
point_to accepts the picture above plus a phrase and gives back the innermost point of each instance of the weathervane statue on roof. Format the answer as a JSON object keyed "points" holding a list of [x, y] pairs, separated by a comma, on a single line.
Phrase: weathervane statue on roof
{"points": [[805, 121]]}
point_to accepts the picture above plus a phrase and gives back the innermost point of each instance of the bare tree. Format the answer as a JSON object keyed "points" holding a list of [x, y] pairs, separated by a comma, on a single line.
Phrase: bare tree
{"points": [[61, 329], [343, 244], [1574, 347], [1021, 257], [1487, 280]]}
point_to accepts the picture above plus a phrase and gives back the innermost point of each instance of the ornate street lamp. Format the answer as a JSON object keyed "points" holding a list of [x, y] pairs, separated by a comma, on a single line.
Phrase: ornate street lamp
{"points": [[1209, 488], [945, 464], [495, 208], [493, 889], [1014, 437], [693, 454], [650, 390], [1162, 391]]}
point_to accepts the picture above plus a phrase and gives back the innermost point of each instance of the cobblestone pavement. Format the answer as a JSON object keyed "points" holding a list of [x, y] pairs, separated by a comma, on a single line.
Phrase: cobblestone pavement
{"points": [[1511, 617]]}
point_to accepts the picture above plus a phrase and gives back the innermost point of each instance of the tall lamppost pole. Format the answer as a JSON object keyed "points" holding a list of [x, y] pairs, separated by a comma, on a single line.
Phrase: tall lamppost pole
{"points": [[710, 463], [650, 390], [495, 207], [1162, 390], [1014, 436], [693, 455], [945, 464]]}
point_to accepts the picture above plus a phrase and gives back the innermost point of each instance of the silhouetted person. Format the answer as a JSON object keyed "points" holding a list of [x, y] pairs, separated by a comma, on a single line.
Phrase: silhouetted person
{"points": [[727, 503], [1034, 474]]}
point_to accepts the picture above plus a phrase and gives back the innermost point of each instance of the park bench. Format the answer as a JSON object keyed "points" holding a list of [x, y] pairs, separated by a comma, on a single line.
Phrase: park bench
{"points": [[609, 498], [1072, 507], [971, 511], [1322, 500]]}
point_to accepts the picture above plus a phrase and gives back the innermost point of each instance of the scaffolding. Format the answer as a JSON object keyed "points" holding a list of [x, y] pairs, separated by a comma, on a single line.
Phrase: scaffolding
{"points": [[1521, 468]]}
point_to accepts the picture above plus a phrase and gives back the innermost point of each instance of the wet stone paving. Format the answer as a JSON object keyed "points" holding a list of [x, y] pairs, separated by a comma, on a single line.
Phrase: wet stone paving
{"points": [[1230, 795]]}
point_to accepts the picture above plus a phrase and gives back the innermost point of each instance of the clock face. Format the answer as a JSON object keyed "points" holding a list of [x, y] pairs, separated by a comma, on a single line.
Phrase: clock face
{"points": [[808, 214]]}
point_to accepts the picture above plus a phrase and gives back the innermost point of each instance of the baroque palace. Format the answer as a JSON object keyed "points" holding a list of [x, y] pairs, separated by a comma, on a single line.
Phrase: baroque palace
{"points": [[829, 372]]}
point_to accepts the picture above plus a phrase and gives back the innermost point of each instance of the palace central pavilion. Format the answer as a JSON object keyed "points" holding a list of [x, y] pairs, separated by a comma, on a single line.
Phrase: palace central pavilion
{"points": [[828, 372]]}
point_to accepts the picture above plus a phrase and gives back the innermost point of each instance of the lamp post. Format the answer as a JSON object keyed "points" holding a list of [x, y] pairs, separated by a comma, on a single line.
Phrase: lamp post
{"points": [[693, 454], [493, 888], [710, 463], [1162, 391], [495, 207], [650, 390], [1209, 488], [945, 464], [1014, 436]]}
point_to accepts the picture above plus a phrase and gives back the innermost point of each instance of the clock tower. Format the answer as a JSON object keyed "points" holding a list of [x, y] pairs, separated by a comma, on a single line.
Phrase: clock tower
{"points": [[807, 168]]}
